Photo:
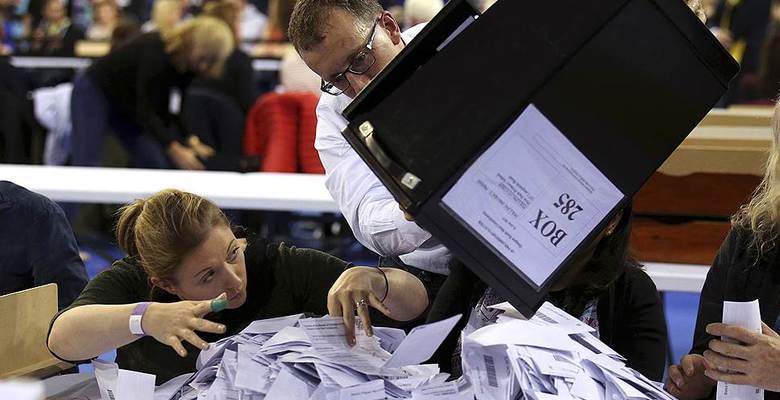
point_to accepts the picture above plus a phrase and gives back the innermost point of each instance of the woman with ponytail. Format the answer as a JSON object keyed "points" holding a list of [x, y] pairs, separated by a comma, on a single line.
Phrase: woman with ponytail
{"points": [[745, 269], [189, 280]]}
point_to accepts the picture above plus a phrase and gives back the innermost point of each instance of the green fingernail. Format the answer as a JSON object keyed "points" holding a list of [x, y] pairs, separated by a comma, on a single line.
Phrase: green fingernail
{"points": [[218, 305]]}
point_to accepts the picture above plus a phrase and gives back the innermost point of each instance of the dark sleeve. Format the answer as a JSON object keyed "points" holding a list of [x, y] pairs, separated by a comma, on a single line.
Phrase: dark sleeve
{"points": [[72, 36], [309, 274], [119, 284], [54, 254], [153, 96], [713, 292], [242, 81], [639, 333], [753, 28]]}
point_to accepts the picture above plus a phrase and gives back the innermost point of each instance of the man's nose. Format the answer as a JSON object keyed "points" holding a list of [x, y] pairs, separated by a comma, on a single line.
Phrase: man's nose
{"points": [[359, 82]]}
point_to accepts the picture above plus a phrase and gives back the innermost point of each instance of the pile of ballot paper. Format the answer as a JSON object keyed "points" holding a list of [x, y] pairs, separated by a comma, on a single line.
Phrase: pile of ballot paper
{"points": [[550, 356], [308, 358]]}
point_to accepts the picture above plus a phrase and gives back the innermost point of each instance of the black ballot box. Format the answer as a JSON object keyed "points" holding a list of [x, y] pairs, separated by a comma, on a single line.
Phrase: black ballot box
{"points": [[516, 136]]}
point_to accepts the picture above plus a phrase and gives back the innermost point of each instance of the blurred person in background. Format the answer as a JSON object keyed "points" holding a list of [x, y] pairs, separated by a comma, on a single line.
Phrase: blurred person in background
{"points": [[741, 26], [279, 12], [420, 11], [166, 14], [126, 30], [5, 47], [296, 76], [215, 107], [768, 82], [105, 19], [129, 94], [55, 35], [252, 22]]}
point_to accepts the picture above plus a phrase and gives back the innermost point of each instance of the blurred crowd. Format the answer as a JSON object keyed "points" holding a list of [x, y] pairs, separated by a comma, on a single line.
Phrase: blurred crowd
{"points": [[193, 99]]}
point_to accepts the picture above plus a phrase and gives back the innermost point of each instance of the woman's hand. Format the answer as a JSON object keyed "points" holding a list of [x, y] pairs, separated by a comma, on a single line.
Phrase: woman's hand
{"points": [[184, 157], [687, 380], [356, 289], [170, 323], [203, 151], [754, 361]]}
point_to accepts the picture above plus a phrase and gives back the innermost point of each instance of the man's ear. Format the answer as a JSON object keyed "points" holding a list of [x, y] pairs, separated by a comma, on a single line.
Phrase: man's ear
{"points": [[165, 284], [388, 23]]}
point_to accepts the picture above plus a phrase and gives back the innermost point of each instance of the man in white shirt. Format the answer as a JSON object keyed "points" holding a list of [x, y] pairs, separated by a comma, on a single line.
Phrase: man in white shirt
{"points": [[347, 43], [347, 48]]}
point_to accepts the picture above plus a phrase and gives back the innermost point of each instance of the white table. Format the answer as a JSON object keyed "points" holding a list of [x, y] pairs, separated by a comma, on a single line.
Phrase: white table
{"points": [[271, 65], [677, 277], [232, 190]]}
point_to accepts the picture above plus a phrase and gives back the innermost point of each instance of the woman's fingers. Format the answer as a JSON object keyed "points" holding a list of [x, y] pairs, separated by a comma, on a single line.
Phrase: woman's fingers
{"points": [[735, 332], [193, 339], [348, 313], [737, 379], [334, 305], [362, 310], [175, 343], [725, 363], [729, 349], [204, 325], [206, 306], [766, 330], [676, 376]]}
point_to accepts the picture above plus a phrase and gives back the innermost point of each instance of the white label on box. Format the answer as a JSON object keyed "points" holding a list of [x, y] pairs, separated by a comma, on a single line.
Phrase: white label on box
{"points": [[533, 196]]}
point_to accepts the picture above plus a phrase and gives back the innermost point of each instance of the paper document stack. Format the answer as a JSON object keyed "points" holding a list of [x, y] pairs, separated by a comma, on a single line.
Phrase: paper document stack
{"points": [[551, 356], [308, 358]]}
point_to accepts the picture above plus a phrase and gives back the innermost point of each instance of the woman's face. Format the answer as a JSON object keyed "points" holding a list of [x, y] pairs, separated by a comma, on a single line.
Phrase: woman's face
{"points": [[216, 266], [105, 13]]}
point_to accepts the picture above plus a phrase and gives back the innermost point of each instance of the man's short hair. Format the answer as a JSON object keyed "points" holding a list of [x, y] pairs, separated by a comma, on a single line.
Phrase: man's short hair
{"points": [[310, 18]]}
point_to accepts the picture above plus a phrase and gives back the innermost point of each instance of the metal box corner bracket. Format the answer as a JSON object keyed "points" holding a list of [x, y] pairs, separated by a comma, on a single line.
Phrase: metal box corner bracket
{"points": [[407, 179]]}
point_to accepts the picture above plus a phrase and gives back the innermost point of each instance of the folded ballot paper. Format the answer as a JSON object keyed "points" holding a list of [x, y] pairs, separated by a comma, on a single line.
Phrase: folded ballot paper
{"points": [[308, 358], [550, 356]]}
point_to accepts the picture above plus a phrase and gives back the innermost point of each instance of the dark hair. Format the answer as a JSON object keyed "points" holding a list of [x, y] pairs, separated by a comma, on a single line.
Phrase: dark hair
{"points": [[310, 18], [610, 259]]}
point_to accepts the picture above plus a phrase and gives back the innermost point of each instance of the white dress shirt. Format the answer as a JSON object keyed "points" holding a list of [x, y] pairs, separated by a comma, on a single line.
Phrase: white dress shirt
{"points": [[371, 211]]}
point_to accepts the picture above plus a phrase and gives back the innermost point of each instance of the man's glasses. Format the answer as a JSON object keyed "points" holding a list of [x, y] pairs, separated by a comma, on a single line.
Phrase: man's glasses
{"points": [[361, 62]]}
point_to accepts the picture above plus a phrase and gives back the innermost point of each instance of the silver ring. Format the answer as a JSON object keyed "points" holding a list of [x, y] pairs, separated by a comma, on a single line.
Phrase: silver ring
{"points": [[362, 303]]}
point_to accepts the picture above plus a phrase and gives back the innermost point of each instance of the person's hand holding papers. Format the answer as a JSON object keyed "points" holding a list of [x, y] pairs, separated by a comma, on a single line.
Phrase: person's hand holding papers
{"points": [[394, 292], [687, 380], [753, 361]]}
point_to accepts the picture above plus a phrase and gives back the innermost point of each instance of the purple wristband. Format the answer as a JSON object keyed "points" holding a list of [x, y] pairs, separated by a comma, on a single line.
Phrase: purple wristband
{"points": [[136, 319]]}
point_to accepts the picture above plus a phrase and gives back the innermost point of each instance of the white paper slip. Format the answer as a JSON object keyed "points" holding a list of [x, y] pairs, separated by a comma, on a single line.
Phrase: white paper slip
{"points": [[121, 384], [547, 314], [748, 316], [374, 390], [422, 342], [456, 390], [271, 325], [533, 196], [21, 390], [389, 338], [167, 389]]}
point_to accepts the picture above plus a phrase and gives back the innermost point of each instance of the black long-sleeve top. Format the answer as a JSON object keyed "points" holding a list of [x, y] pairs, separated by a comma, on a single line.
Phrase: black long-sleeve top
{"points": [[37, 245], [738, 274], [138, 78]]}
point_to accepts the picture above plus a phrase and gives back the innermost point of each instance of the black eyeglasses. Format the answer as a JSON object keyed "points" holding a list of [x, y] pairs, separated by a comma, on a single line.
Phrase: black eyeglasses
{"points": [[361, 62]]}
